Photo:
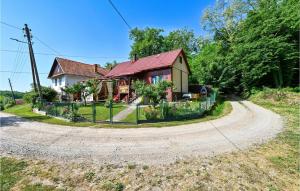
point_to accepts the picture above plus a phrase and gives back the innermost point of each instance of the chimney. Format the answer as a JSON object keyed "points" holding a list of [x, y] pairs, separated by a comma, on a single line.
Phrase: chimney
{"points": [[135, 58], [95, 68]]}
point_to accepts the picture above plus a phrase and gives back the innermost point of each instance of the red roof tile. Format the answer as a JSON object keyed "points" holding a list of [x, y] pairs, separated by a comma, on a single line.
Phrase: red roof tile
{"points": [[77, 68], [157, 61]]}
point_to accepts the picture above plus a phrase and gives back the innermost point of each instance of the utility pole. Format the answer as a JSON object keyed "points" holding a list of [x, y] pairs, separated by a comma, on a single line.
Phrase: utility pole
{"points": [[35, 74], [11, 89]]}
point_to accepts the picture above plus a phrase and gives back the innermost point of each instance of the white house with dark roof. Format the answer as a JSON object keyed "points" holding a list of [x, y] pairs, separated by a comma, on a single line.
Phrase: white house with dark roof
{"points": [[66, 72]]}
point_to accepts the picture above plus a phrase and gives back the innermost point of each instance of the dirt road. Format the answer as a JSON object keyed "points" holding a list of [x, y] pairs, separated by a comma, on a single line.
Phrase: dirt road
{"points": [[246, 125]]}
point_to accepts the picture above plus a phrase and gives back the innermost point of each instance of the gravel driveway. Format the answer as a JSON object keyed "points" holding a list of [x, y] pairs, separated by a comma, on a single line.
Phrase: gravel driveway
{"points": [[246, 125]]}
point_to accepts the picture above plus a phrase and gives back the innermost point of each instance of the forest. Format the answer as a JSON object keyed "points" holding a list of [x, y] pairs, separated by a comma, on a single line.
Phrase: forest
{"points": [[252, 44]]}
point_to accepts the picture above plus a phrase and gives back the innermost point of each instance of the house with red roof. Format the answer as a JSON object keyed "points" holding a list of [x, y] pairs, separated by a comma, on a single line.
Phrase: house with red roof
{"points": [[170, 66], [65, 72]]}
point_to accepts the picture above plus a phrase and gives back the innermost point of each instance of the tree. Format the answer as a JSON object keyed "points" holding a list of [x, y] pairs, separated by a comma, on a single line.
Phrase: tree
{"points": [[77, 88], [48, 94], [92, 87], [110, 65], [266, 48], [254, 45], [84, 88], [182, 38], [146, 42], [151, 41], [155, 92]]}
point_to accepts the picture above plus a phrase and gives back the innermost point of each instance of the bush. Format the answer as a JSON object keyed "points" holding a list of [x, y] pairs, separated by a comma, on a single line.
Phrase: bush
{"points": [[108, 103], [48, 94], [151, 113], [6, 102], [275, 94]]}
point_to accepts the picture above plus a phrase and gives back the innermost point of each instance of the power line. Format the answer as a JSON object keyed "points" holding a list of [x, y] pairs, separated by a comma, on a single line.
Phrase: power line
{"points": [[9, 71], [46, 45], [119, 13], [64, 55], [10, 25]]}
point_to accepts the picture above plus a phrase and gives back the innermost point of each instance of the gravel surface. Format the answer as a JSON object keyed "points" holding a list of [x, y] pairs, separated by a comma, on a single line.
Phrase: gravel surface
{"points": [[246, 125]]}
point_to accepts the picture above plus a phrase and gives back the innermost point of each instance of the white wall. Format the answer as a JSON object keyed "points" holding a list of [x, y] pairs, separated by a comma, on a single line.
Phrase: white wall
{"points": [[66, 80]]}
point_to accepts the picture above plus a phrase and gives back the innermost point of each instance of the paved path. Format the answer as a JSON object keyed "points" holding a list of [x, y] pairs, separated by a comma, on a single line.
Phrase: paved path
{"points": [[124, 113], [246, 125]]}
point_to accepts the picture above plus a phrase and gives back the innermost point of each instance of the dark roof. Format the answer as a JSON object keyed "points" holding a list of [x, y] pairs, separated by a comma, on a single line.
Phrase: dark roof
{"points": [[76, 68], [162, 60]]}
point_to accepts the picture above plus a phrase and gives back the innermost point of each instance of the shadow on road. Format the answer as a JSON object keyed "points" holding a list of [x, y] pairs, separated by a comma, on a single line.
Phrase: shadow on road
{"points": [[11, 121]]}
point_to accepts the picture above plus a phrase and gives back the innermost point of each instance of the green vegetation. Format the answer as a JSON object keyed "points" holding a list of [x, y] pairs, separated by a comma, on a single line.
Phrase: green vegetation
{"points": [[102, 112], [285, 149], [111, 186], [48, 94], [6, 102], [154, 92], [253, 44], [39, 187], [221, 109], [25, 111], [270, 166], [83, 88], [6, 93], [151, 41], [10, 172]]}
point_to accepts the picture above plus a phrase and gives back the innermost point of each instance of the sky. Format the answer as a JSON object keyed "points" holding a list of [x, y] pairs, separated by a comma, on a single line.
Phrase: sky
{"points": [[88, 31]]}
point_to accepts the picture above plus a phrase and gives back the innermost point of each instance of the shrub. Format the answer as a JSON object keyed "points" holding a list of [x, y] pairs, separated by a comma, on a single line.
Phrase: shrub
{"points": [[275, 94], [109, 185], [151, 113], [48, 94], [6, 102], [108, 102]]}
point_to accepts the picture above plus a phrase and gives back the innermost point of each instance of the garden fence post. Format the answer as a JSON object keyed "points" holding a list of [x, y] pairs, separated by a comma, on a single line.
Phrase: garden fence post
{"points": [[94, 112], [55, 107], [72, 106], [137, 113], [110, 112]]}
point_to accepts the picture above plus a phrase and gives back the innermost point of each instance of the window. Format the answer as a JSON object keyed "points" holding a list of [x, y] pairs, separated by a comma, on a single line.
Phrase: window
{"points": [[180, 59], [59, 81], [55, 82], [156, 79]]}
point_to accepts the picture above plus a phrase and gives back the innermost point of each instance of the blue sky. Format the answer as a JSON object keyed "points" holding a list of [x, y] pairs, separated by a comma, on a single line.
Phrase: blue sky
{"points": [[87, 28]]}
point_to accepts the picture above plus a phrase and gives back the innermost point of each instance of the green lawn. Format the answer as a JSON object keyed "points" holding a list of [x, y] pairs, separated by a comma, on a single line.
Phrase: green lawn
{"points": [[102, 112], [221, 109], [25, 111], [285, 150]]}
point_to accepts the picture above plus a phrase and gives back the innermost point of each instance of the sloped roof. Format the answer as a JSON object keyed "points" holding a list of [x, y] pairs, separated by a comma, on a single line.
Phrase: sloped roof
{"points": [[76, 68], [162, 60]]}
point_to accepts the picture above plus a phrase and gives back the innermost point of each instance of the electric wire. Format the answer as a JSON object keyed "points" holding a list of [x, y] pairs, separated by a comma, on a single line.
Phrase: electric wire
{"points": [[63, 55], [119, 13], [10, 25]]}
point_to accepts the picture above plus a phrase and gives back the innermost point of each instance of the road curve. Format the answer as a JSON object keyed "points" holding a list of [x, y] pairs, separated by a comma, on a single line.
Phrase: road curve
{"points": [[246, 125]]}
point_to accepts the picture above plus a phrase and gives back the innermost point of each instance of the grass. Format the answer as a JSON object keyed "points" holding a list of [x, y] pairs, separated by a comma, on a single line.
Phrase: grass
{"points": [[25, 111], [270, 166], [102, 112], [285, 153], [10, 172], [221, 109]]}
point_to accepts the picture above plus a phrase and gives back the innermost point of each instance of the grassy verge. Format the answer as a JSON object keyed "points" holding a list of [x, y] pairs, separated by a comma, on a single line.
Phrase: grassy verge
{"points": [[102, 112], [271, 166], [25, 111], [284, 152], [221, 109]]}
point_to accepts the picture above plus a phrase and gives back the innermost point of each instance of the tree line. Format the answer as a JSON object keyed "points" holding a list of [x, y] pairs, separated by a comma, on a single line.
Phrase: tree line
{"points": [[254, 43]]}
